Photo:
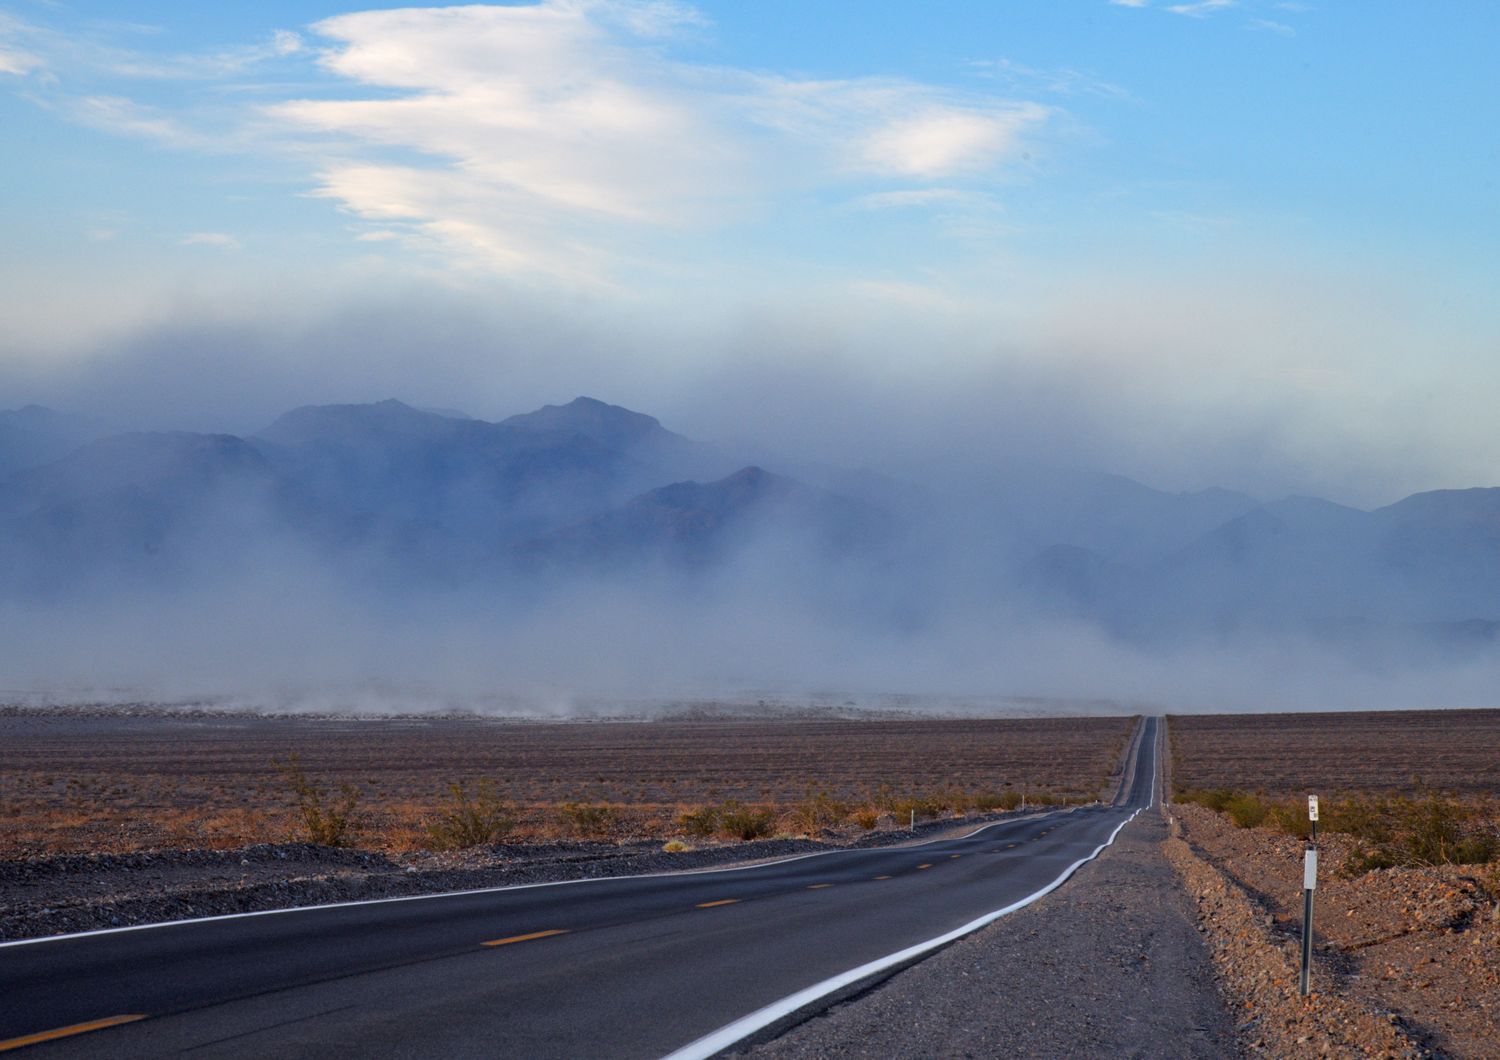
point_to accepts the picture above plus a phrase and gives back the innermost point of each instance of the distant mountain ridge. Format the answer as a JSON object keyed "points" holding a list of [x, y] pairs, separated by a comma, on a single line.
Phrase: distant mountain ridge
{"points": [[33, 435], [693, 524], [386, 493]]}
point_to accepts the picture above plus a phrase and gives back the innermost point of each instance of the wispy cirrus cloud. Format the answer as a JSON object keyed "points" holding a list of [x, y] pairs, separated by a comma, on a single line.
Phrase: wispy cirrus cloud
{"points": [[122, 116], [1203, 9], [221, 240], [15, 56], [94, 49], [922, 198], [16, 61], [1200, 8], [1060, 81], [223, 63], [1272, 26]]}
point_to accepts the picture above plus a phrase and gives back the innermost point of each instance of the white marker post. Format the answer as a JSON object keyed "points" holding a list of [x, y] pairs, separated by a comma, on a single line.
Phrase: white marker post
{"points": [[1309, 885]]}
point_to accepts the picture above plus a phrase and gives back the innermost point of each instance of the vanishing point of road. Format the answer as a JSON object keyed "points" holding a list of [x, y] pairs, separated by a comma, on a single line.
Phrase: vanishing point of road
{"points": [[683, 964]]}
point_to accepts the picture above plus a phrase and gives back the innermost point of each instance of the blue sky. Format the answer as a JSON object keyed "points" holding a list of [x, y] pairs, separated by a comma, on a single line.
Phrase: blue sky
{"points": [[1263, 230]]}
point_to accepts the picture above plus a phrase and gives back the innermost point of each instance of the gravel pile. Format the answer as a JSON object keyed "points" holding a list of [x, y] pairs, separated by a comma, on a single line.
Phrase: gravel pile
{"points": [[68, 893], [1407, 960]]}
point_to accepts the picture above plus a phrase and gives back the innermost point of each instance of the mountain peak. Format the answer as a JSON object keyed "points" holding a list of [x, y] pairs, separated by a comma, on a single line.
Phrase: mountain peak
{"points": [[344, 422], [609, 425]]}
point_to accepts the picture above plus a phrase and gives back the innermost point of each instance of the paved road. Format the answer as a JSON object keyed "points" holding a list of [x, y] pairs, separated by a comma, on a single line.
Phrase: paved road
{"points": [[633, 967]]}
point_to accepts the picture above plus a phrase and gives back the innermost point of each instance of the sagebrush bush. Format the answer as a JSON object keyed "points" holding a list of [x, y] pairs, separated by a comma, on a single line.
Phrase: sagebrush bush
{"points": [[737, 821], [584, 819], [816, 811], [471, 820], [326, 821], [1389, 831], [1212, 798], [731, 819], [1246, 811], [703, 821], [989, 801]]}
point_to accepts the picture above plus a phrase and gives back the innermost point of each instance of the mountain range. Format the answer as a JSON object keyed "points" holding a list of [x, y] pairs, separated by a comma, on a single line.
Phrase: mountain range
{"points": [[408, 500]]}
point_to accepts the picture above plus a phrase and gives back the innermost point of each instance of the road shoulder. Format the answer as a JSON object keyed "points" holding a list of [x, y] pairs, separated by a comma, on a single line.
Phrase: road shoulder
{"points": [[1111, 964]]}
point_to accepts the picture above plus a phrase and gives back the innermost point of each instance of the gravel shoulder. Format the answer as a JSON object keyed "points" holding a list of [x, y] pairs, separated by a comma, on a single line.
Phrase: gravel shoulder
{"points": [[1110, 964]]}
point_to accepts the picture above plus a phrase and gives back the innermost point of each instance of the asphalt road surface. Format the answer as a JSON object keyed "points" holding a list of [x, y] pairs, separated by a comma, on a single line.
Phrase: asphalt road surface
{"points": [[627, 967]]}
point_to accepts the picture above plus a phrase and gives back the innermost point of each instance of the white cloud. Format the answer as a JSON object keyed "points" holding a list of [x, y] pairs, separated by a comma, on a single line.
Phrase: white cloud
{"points": [[1200, 8], [115, 114], [1280, 28], [1062, 81], [920, 198], [1128, 3], [18, 62], [554, 134], [206, 66], [222, 240], [285, 42], [943, 141], [14, 58]]}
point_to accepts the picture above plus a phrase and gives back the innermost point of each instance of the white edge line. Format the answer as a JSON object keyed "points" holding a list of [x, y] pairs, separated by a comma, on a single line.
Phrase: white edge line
{"points": [[508, 887], [721, 1039]]}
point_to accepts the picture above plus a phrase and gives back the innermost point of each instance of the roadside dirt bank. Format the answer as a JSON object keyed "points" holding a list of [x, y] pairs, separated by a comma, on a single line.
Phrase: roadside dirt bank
{"points": [[82, 892], [1407, 961], [1108, 965]]}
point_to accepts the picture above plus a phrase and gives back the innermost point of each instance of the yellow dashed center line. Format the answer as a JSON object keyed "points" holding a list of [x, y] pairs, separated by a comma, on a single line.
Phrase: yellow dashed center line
{"points": [[64, 1032], [525, 938], [927, 866], [955, 855], [819, 886], [882, 877], [721, 901]]}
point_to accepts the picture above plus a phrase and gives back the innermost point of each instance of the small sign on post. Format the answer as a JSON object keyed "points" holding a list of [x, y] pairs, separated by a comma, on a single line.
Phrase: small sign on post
{"points": [[1309, 885]]}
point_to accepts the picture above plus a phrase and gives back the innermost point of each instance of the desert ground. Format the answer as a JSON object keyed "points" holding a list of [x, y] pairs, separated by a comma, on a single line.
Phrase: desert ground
{"points": [[92, 781], [120, 816], [1341, 753]]}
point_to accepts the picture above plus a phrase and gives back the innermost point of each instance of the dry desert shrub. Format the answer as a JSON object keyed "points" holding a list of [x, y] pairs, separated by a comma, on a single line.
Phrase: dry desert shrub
{"points": [[730, 819], [816, 811], [586, 820], [326, 821], [1390, 830], [737, 821], [471, 820]]}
